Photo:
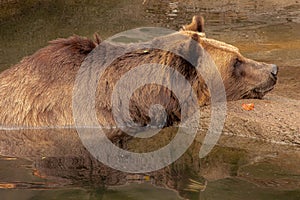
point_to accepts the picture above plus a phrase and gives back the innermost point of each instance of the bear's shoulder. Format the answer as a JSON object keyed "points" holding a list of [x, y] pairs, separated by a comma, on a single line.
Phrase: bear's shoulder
{"points": [[74, 44]]}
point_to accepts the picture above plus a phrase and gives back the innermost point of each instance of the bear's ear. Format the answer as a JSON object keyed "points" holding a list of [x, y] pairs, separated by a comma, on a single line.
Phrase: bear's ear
{"points": [[97, 39], [197, 25]]}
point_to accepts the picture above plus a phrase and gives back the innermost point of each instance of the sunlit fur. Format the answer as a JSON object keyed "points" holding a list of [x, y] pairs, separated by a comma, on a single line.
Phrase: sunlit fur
{"points": [[38, 90]]}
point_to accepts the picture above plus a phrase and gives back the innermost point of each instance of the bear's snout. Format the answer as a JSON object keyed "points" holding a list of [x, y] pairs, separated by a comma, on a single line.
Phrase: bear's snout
{"points": [[274, 70]]}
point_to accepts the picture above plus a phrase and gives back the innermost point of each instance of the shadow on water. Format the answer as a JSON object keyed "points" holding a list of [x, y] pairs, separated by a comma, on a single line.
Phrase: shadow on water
{"points": [[51, 164]]}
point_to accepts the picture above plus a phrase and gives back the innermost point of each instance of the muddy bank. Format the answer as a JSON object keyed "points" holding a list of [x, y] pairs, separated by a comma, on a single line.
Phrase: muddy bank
{"points": [[274, 119]]}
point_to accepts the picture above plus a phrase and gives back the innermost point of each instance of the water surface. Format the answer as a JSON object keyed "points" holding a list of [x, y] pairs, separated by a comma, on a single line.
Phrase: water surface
{"points": [[265, 30], [53, 164]]}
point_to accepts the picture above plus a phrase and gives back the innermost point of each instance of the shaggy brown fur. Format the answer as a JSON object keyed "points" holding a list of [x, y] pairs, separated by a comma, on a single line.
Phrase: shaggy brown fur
{"points": [[38, 90]]}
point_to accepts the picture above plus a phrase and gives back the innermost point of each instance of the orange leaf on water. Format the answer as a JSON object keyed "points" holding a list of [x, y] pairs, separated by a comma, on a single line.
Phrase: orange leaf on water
{"points": [[7, 185]]}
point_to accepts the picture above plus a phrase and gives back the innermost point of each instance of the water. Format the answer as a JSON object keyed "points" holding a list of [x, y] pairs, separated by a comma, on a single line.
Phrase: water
{"points": [[53, 164], [264, 30]]}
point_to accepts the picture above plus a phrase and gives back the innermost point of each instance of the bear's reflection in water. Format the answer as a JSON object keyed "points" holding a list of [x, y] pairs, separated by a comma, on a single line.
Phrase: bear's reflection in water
{"points": [[61, 161]]}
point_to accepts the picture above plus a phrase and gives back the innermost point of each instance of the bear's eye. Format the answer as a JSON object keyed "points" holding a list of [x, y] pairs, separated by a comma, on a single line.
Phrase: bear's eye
{"points": [[237, 63]]}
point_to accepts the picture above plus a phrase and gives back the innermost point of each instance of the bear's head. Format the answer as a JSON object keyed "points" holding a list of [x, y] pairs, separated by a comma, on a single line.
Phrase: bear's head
{"points": [[242, 77]]}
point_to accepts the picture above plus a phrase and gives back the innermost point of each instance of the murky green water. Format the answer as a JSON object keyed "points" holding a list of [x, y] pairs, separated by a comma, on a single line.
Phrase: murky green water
{"points": [[266, 30], [55, 165]]}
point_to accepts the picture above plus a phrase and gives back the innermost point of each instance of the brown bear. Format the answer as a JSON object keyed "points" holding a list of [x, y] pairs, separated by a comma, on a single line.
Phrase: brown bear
{"points": [[38, 91]]}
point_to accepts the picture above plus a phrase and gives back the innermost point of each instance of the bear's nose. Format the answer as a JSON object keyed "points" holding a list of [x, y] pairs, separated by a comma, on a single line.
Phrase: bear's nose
{"points": [[274, 70]]}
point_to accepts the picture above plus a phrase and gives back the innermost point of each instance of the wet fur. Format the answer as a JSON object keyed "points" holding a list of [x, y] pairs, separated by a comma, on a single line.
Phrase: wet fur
{"points": [[38, 90]]}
